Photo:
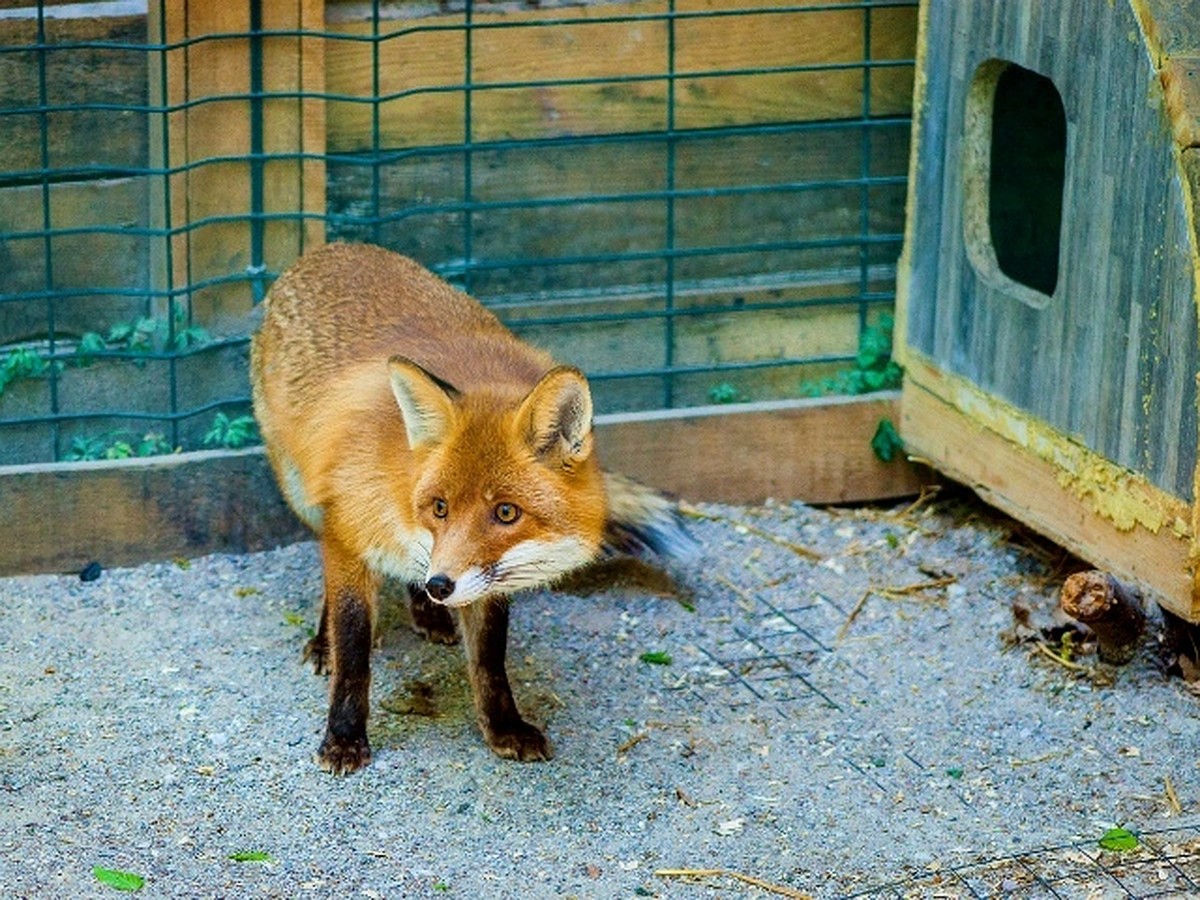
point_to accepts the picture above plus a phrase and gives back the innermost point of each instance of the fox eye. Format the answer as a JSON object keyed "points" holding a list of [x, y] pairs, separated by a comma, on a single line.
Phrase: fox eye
{"points": [[440, 507], [507, 513]]}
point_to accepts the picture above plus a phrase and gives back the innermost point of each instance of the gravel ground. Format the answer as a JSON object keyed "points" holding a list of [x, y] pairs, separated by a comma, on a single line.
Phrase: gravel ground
{"points": [[841, 710]]}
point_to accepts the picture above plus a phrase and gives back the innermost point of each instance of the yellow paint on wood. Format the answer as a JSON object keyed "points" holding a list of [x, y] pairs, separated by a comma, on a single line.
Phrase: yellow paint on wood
{"points": [[1124, 498], [992, 450]]}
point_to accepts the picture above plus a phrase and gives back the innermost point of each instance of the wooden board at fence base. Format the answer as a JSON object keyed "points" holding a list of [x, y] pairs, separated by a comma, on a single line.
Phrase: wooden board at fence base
{"points": [[816, 450], [1105, 514], [58, 517]]}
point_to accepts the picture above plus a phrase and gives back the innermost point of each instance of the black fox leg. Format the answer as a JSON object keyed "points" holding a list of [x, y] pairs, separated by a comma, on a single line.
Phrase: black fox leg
{"points": [[349, 622], [316, 651], [485, 638]]}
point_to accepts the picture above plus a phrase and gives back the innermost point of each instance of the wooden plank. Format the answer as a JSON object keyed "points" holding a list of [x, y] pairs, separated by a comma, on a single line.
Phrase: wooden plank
{"points": [[90, 74], [774, 40], [293, 131], [28, 8], [421, 66], [210, 139], [635, 342], [82, 265], [818, 451], [1105, 514], [1172, 28], [314, 135], [1181, 84], [217, 70], [196, 503], [128, 512], [535, 236], [167, 25], [1112, 357], [426, 189]]}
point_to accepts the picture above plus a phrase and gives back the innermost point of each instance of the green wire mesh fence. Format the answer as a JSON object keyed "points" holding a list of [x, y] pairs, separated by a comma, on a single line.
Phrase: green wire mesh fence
{"points": [[694, 201]]}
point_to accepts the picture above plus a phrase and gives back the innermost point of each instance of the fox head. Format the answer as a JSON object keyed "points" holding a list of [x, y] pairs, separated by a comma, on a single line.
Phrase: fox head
{"points": [[508, 486]]}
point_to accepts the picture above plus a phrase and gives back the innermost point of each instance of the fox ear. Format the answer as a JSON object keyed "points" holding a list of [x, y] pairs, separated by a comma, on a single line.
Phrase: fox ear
{"points": [[557, 417], [425, 400]]}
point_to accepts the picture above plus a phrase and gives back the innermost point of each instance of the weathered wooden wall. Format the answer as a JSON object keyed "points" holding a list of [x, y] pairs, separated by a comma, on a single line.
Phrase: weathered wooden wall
{"points": [[720, 292], [395, 177], [605, 199], [98, 188], [1074, 411], [516, 60], [210, 136], [1112, 357]]}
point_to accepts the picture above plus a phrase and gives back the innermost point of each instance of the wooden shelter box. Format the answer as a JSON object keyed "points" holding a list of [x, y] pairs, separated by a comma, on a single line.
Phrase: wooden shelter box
{"points": [[1050, 277]]}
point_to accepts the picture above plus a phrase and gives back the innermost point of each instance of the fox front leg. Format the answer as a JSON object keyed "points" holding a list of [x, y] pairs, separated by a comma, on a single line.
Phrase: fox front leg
{"points": [[348, 619], [484, 626]]}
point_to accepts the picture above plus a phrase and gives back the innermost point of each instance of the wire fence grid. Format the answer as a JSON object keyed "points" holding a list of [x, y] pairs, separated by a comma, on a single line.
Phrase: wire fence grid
{"points": [[694, 203], [1162, 863]]}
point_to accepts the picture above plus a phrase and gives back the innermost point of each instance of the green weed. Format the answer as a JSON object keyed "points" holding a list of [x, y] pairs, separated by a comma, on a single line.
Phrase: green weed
{"points": [[231, 433]]}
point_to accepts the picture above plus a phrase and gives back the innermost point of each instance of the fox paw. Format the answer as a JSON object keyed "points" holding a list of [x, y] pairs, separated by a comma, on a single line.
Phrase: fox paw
{"points": [[520, 741], [317, 653], [436, 633], [431, 620], [341, 756]]}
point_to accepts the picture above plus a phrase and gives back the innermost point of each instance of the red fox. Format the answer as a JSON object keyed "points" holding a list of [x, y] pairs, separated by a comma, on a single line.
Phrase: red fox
{"points": [[419, 438]]}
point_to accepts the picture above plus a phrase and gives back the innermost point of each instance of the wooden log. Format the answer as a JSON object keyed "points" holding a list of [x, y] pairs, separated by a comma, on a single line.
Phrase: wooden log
{"points": [[1109, 609]]}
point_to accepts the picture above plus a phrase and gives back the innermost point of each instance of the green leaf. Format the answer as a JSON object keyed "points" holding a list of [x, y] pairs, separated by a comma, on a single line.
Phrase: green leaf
{"points": [[886, 443], [724, 393], [231, 433], [85, 448], [193, 336], [119, 450], [115, 878], [153, 444], [955, 772], [251, 856], [1119, 840], [656, 658], [90, 343]]}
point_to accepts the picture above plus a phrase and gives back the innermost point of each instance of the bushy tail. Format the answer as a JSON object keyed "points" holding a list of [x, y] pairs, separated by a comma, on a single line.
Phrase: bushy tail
{"points": [[641, 519]]}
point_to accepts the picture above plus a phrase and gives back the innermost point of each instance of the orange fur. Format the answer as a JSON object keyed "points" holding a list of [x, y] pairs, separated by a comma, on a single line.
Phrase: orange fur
{"points": [[401, 477], [327, 412]]}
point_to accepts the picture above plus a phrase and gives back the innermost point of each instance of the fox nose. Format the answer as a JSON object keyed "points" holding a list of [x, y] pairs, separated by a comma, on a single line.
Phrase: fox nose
{"points": [[439, 587]]}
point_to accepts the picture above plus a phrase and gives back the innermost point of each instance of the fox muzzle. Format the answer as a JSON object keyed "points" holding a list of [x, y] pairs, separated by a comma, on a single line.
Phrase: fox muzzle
{"points": [[439, 587]]}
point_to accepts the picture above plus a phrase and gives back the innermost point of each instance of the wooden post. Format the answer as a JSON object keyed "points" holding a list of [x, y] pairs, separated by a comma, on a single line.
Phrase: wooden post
{"points": [[1103, 604], [240, 139]]}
